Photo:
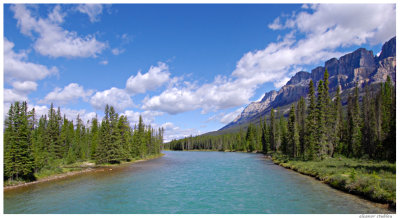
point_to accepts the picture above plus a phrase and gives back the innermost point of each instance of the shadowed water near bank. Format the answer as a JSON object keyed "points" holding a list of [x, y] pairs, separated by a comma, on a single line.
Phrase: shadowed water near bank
{"points": [[188, 182]]}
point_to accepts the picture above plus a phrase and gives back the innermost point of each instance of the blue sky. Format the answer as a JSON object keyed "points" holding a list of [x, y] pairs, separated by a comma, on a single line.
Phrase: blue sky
{"points": [[188, 68]]}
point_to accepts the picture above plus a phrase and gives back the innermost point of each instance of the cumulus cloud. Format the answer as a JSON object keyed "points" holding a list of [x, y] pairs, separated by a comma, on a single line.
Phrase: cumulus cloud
{"points": [[173, 101], [17, 68], [92, 10], [70, 114], [222, 93], [11, 96], [68, 94], [52, 40], [154, 78], [171, 131], [24, 87], [40, 110], [115, 97], [84, 115], [147, 116]]}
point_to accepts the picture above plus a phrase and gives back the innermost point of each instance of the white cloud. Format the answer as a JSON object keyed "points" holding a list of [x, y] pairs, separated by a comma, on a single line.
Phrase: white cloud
{"points": [[40, 110], [92, 10], [53, 40], [105, 62], [227, 118], [10, 96], [281, 82], [117, 51], [147, 116], [222, 93], [17, 68], [70, 114], [276, 25], [24, 87], [85, 116], [171, 131], [154, 78], [115, 97], [68, 94], [173, 101]]}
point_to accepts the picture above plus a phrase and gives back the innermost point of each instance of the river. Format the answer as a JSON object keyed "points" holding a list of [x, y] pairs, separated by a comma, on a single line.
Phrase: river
{"points": [[188, 182]]}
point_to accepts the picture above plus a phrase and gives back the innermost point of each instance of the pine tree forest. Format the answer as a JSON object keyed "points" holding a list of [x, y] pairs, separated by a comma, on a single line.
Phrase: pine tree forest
{"points": [[33, 144], [317, 127]]}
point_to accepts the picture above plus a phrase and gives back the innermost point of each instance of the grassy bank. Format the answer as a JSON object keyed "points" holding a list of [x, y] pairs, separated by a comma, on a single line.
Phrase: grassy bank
{"points": [[64, 170], [373, 180]]}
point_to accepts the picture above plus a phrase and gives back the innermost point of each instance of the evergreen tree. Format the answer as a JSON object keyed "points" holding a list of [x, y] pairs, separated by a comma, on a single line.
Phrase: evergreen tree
{"points": [[250, 138], [39, 150], [338, 135], [18, 159], [9, 144], [264, 137], [94, 134], [272, 131], [369, 136], [329, 117], [124, 132], [311, 125], [321, 142], [355, 125], [293, 134], [388, 120], [283, 134], [301, 123], [114, 151], [142, 138]]}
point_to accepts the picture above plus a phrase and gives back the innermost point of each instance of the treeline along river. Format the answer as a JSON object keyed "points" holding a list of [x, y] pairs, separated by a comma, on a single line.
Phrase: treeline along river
{"points": [[188, 182]]}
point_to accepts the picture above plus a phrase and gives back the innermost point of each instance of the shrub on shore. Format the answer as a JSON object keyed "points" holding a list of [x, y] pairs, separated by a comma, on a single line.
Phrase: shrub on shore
{"points": [[374, 180]]}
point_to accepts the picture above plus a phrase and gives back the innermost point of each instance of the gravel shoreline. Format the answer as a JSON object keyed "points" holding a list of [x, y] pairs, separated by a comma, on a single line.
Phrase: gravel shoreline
{"points": [[73, 173]]}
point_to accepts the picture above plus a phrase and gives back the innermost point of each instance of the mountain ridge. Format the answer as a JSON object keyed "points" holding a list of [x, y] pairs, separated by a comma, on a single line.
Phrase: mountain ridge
{"points": [[358, 67]]}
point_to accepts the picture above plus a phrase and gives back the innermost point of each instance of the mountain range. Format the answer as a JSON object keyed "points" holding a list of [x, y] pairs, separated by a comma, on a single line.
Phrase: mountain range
{"points": [[360, 67]]}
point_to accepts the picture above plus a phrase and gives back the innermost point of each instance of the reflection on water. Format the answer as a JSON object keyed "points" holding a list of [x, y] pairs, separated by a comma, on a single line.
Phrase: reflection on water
{"points": [[188, 182]]}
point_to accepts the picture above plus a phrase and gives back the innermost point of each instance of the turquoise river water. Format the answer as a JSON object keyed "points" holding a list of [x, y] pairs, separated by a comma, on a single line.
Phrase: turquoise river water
{"points": [[188, 182]]}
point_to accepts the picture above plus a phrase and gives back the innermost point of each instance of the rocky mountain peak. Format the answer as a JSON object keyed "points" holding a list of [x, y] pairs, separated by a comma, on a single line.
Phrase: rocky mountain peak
{"points": [[359, 67], [298, 78], [388, 49]]}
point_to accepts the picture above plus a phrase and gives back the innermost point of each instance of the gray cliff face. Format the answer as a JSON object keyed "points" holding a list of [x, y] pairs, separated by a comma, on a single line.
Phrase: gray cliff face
{"points": [[388, 49], [257, 107], [359, 67]]}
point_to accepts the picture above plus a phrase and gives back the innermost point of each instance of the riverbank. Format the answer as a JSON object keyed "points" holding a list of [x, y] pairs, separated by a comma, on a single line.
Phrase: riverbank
{"points": [[74, 169], [372, 180]]}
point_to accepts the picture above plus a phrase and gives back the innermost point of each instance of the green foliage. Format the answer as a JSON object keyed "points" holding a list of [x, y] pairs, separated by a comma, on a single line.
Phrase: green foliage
{"points": [[375, 180], [265, 137], [251, 138], [311, 125], [18, 160], [35, 149], [293, 134], [301, 123]]}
